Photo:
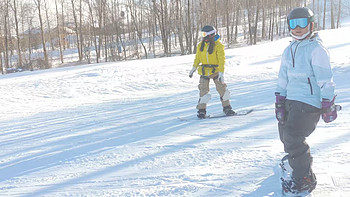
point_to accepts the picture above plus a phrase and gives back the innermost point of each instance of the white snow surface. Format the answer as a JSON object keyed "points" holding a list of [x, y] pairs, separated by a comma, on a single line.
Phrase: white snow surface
{"points": [[113, 129]]}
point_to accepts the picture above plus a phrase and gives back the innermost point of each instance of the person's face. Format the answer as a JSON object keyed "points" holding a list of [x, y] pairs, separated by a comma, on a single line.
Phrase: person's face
{"points": [[298, 31], [208, 38]]}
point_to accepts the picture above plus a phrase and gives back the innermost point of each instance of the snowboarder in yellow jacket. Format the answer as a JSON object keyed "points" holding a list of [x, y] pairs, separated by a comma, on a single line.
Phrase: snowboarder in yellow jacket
{"points": [[210, 62]]}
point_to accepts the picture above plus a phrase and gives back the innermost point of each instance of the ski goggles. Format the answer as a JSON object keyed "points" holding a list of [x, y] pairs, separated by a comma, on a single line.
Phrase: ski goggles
{"points": [[205, 34], [301, 22]]}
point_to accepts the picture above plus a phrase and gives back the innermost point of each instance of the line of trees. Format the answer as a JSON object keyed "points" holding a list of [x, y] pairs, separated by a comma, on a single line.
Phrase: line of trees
{"points": [[35, 34]]}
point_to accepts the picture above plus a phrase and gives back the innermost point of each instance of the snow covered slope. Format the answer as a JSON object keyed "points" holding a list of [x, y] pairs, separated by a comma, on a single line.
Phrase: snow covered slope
{"points": [[112, 129]]}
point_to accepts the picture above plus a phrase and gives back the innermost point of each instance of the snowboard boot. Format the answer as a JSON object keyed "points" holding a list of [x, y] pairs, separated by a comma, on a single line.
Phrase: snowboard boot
{"points": [[228, 110], [201, 113], [305, 184]]}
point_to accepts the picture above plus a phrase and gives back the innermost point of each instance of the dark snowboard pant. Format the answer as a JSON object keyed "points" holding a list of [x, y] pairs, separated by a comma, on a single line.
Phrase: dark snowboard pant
{"points": [[301, 121]]}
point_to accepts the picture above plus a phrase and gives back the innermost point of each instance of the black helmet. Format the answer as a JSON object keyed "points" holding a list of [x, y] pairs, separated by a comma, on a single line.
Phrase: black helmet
{"points": [[208, 28], [301, 13], [208, 33]]}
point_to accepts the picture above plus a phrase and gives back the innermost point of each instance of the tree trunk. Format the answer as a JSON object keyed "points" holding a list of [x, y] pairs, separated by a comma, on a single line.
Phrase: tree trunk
{"points": [[30, 43], [227, 14], [6, 30], [1, 59], [324, 14], [76, 31], [17, 35], [256, 21], [80, 29], [249, 17], [237, 20], [63, 25], [339, 14], [46, 59], [189, 26], [100, 36], [137, 24], [93, 31], [179, 26], [58, 33], [48, 26], [332, 15]]}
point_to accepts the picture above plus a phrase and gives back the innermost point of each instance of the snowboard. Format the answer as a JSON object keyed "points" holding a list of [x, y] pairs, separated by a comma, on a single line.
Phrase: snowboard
{"points": [[238, 113]]}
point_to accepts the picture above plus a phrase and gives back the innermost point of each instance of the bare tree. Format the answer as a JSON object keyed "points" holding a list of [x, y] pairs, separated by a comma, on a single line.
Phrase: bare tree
{"points": [[48, 25], [117, 30], [197, 26], [81, 37], [263, 32], [324, 14], [153, 19], [100, 10], [46, 59], [179, 25], [63, 23], [137, 21], [104, 19], [318, 14], [28, 16], [227, 16], [76, 31], [189, 29], [249, 17], [17, 35], [6, 32], [332, 15], [256, 20], [339, 14], [94, 34], [2, 38], [161, 11], [237, 19], [58, 33]]}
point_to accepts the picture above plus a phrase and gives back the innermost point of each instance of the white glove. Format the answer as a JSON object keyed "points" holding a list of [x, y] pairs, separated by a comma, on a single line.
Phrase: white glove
{"points": [[221, 77], [192, 71]]}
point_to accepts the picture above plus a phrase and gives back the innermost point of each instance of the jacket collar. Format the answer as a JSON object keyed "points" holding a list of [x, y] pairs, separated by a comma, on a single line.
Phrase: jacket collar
{"points": [[314, 37]]}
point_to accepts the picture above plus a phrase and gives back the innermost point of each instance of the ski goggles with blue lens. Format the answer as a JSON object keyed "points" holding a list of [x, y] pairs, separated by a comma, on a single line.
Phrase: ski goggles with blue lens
{"points": [[301, 22]]}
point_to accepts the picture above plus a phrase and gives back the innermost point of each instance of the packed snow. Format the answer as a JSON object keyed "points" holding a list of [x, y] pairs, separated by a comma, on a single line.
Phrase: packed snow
{"points": [[130, 129]]}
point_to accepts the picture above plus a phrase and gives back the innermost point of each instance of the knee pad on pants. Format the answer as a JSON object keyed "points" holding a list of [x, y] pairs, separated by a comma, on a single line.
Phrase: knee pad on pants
{"points": [[204, 99], [226, 96]]}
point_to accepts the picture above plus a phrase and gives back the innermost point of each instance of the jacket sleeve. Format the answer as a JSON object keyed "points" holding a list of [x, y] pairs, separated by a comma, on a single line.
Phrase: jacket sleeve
{"points": [[197, 59], [221, 57], [282, 75], [323, 72]]}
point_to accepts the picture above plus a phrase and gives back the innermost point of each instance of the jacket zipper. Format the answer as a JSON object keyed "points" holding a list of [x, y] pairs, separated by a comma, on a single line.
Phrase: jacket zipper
{"points": [[295, 51], [207, 57], [309, 81]]}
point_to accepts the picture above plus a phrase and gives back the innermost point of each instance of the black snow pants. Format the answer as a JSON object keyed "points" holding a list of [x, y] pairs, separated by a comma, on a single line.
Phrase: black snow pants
{"points": [[301, 121]]}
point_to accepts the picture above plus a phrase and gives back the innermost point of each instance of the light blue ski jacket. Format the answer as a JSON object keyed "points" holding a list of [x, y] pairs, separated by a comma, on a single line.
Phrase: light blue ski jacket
{"points": [[305, 74]]}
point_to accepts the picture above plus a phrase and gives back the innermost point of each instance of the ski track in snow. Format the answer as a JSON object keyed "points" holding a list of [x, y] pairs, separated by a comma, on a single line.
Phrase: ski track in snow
{"points": [[111, 129]]}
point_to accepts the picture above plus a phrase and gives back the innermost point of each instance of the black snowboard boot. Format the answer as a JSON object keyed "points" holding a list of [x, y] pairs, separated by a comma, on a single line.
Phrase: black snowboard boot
{"points": [[201, 113], [305, 184], [228, 110]]}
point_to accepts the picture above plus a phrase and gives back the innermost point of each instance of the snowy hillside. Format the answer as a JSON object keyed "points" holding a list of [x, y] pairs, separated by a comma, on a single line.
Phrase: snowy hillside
{"points": [[112, 129]]}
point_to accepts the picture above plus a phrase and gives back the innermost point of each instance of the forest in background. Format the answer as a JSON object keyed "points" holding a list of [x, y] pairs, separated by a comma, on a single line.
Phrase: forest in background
{"points": [[40, 34]]}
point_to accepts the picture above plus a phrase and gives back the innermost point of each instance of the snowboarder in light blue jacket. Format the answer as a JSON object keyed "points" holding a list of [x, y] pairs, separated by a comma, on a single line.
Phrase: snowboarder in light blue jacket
{"points": [[305, 73], [305, 90]]}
